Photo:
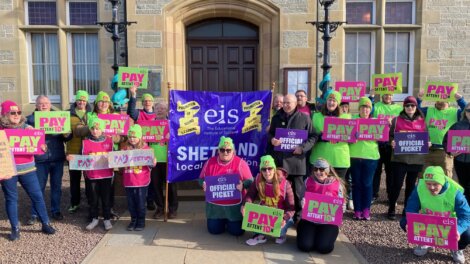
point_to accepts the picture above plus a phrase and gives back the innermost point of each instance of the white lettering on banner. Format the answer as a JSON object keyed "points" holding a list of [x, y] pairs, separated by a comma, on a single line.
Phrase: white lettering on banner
{"points": [[212, 116], [204, 153]]}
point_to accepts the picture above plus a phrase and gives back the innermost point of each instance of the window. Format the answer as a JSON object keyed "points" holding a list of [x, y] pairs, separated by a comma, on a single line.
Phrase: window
{"points": [[398, 56], [399, 12], [359, 57], [154, 84], [41, 13], [45, 67], [82, 13], [296, 79], [85, 60], [360, 12]]}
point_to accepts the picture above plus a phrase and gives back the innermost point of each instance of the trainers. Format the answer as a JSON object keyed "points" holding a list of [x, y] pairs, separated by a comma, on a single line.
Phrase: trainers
{"points": [[366, 214], [14, 235], [73, 209], [256, 239], [158, 214], [131, 225], [151, 206], [357, 215], [107, 225], [422, 250], [351, 205], [92, 224], [57, 216], [281, 239], [458, 256], [32, 220], [47, 229]]}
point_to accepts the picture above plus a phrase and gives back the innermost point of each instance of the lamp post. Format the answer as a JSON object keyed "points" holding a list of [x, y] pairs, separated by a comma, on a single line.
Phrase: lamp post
{"points": [[115, 27], [326, 27]]}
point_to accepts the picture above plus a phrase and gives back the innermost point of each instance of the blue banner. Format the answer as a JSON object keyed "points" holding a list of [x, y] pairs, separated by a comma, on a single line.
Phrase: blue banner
{"points": [[199, 119]]}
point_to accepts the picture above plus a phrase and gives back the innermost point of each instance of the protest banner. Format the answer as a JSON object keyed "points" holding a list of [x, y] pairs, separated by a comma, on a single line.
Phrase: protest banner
{"points": [[411, 143], [290, 138], [339, 129], [389, 83], [458, 141], [52, 122], [127, 76], [373, 129], [262, 219], [351, 91], [434, 231], [440, 91], [89, 162], [323, 209], [7, 162], [199, 119], [26, 141], [130, 158], [155, 130], [223, 188], [115, 124]]}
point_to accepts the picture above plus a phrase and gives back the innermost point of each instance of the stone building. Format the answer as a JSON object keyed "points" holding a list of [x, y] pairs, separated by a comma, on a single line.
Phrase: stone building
{"points": [[54, 47]]}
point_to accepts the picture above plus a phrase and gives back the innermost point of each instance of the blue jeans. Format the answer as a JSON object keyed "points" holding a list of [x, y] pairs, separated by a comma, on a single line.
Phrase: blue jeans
{"points": [[362, 173], [56, 169], [136, 198], [288, 224], [30, 184], [218, 226]]}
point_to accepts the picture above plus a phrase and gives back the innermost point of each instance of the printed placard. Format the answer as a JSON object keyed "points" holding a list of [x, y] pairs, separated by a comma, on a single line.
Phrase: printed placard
{"points": [[115, 124], [89, 162], [390, 83], [7, 162], [127, 76], [430, 230], [458, 141], [290, 138], [351, 91], [155, 131], [373, 129], [323, 209], [222, 188], [339, 129], [262, 219], [440, 91], [411, 143], [26, 141], [52, 122], [130, 158]]}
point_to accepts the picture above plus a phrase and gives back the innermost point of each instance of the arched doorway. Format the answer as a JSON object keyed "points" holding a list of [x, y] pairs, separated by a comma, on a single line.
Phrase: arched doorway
{"points": [[222, 55]]}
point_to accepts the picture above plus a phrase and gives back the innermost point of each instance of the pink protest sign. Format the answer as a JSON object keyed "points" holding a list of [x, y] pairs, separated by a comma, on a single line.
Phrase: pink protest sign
{"points": [[26, 141], [351, 91], [430, 230], [339, 129], [373, 129], [458, 141], [323, 209], [115, 124], [155, 131]]}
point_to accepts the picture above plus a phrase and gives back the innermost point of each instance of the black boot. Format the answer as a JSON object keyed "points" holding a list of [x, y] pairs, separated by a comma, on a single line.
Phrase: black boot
{"points": [[14, 235], [132, 224]]}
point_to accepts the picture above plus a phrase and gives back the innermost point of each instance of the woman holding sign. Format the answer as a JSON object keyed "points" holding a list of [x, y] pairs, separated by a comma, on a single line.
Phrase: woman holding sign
{"points": [[225, 215], [439, 195]]}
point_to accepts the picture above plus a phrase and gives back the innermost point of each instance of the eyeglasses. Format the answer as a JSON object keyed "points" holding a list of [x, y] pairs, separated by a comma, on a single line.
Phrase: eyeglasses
{"points": [[222, 150], [267, 169], [410, 105], [320, 169], [467, 110], [15, 113]]}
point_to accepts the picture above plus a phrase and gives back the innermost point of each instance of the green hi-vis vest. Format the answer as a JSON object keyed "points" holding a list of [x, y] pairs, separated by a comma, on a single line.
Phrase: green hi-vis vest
{"points": [[439, 121], [386, 111], [160, 152], [364, 149], [442, 204], [336, 154]]}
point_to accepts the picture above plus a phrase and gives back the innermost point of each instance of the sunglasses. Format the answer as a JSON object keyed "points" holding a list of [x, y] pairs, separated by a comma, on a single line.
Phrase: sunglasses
{"points": [[15, 113], [467, 110], [267, 169], [410, 105], [320, 169], [223, 150]]}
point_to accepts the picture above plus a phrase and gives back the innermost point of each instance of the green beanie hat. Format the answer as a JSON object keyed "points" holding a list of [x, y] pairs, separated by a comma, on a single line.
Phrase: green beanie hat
{"points": [[267, 161], [135, 131], [226, 142], [335, 95], [365, 101], [93, 121], [436, 174], [147, 96], [81, 95], [102, 96]]}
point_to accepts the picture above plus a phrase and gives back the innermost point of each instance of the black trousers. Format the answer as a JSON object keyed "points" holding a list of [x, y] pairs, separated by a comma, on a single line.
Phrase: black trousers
{"points": [[400, 171], [316, 237], [155, 190], [463, 174], [100, 190], [385, 157], [298, 188], [75, 179]]}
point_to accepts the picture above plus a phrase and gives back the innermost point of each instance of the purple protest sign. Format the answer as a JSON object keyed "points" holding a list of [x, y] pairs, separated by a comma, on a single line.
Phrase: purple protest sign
{"points": [[290, 138], [115, 124], [373, 129], [458, 141], [323, 209], [351, 91], [26, 141], [223, 188], [339, 129], [434, 231], [411, 143]]}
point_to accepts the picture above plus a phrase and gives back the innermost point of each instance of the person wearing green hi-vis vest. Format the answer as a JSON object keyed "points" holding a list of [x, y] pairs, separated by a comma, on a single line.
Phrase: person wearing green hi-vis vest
{"points": [[439, 118]]}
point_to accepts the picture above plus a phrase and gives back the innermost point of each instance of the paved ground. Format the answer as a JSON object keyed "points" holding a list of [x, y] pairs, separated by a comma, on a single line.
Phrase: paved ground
{"points": [[186, 240]]}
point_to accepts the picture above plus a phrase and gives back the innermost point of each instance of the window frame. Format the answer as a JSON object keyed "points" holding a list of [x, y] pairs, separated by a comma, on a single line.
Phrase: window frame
{"points": [[309, 77], [373, 20], [413, 11], [26, 12], [67, 11]]}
